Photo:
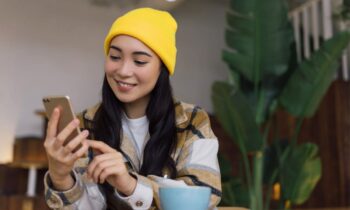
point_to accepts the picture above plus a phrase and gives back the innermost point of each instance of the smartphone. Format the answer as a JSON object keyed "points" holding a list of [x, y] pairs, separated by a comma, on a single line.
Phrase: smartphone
{"points": [[66, 114]]}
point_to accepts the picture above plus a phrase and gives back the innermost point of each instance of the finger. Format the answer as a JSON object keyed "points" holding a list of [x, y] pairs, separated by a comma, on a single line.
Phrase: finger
{"points": [[72, 157], [51, 131], [80, 152], [96, 152], [72, 145], [62, 136], [102, 166], [101, 146], [98, 159], [109, 171]]}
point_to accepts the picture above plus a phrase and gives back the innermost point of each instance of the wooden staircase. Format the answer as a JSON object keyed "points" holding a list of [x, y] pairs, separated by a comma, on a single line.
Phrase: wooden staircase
{"points": [[313, 23]]}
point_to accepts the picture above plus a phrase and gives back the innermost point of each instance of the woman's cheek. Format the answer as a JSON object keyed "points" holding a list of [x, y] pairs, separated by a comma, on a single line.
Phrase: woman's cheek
{"points": [[108, 67]]}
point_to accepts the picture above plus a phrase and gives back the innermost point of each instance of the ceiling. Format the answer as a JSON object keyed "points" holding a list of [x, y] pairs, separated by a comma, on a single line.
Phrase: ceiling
{"points": [[122, 4]]}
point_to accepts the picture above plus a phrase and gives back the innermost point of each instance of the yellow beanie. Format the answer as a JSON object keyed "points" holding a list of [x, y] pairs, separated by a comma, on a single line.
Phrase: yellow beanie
{"points": [[155, 28]]}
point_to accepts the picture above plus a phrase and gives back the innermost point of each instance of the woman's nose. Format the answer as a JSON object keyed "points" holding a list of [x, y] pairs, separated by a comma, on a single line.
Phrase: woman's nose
{"points": [[126, 69]]}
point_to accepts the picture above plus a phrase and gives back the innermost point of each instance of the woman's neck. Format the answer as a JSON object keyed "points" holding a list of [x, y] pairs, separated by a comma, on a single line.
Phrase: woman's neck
{"points": [[136, 109]]}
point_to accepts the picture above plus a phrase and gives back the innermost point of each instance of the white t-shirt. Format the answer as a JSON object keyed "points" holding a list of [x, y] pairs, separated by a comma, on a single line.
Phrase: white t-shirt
{"points": [[137, 131]]}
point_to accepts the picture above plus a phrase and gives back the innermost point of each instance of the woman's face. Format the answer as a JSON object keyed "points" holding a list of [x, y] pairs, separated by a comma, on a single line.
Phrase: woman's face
{"points": [[132, 69]]}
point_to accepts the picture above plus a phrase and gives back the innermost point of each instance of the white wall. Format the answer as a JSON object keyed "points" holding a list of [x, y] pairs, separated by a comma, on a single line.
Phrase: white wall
{"points": [[55, 47], [200, 42]]}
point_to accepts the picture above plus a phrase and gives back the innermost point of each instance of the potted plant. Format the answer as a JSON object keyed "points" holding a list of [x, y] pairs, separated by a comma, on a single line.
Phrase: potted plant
{"points": [[262, 79]]}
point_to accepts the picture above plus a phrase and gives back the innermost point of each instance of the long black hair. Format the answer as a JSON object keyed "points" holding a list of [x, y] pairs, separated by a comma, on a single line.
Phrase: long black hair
{"points": [[160, 112]]}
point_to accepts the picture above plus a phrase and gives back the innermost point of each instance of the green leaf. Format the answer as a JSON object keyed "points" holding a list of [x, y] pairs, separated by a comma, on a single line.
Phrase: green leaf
{"points": [[272, 156], [309, 83], [300, 173], [259, 35], [346, 3], [225, 168], [234, 193], [235, 115], [228, 196]]}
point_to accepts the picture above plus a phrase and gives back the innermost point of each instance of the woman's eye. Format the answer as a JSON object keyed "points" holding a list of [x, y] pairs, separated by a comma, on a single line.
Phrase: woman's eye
{"points": [[114, 57], [140, 62]]}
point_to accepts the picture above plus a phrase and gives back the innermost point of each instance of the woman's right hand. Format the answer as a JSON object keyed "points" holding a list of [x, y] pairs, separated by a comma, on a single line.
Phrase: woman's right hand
{"points": [[61, 157]]}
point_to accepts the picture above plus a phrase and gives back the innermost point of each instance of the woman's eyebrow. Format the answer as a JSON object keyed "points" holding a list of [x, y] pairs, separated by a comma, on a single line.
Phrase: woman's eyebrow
{"points": [[142, 53], [116, 48]]}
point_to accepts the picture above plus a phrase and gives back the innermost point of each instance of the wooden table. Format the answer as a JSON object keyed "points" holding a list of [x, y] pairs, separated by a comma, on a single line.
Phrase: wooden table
{"points": [[239, 208], [335, 208]]}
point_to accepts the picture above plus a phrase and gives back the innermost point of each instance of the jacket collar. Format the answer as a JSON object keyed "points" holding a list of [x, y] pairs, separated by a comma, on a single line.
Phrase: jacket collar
{"points": [[181, 116]]}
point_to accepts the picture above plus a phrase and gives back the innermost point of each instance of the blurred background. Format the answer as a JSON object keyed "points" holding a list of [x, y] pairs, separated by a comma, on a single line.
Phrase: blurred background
{"points": [[55, 47]]}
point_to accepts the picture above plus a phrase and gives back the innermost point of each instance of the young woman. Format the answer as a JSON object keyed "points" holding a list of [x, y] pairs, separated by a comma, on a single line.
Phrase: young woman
{"points": [[144, 138]]}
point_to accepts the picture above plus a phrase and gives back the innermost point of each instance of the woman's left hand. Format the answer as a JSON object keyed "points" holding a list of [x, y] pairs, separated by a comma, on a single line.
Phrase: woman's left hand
{"points": [[109, 166]]}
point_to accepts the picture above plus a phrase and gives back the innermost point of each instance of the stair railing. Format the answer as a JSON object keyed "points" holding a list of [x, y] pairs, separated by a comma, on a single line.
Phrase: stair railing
{"points": [[314, 19]]}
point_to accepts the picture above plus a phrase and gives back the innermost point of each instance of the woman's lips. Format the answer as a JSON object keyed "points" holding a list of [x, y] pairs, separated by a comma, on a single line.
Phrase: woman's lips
{"points": [[124, 86]]}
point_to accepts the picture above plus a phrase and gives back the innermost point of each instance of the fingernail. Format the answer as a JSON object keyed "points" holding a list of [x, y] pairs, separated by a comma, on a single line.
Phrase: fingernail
{"points": [[76, 121], [85, 132]]}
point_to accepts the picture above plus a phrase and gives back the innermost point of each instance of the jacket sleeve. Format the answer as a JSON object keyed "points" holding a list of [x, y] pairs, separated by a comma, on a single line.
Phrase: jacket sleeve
{"points": [[196, 161], [82, 196]]}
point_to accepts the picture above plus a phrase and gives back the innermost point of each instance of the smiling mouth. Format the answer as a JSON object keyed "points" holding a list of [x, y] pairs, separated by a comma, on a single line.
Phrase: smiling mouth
{"points": [[124, 84]]}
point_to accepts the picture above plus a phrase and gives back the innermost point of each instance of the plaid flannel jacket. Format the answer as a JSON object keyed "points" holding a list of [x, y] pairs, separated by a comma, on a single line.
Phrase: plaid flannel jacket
{"points": [[195, 158]]}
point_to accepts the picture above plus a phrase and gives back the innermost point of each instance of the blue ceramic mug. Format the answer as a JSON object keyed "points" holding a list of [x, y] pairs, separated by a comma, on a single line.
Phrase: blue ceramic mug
{"points": [[184, 198]]}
